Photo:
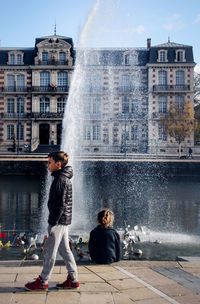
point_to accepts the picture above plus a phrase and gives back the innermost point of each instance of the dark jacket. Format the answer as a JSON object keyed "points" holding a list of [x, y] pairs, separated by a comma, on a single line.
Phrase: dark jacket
{"points": [[60, 197], [104, 245]]}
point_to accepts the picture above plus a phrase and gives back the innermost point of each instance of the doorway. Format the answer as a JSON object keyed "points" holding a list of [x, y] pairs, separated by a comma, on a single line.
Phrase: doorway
{"points": [[44, 134], [59, 134]]}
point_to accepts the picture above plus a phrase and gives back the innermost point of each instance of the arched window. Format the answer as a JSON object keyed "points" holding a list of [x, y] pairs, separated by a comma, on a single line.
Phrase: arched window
{"points": [[44, 105]]}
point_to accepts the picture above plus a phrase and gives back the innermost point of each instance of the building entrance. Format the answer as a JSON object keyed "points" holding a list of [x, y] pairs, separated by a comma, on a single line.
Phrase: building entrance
{"points": [[59, 134], [44, 134]]}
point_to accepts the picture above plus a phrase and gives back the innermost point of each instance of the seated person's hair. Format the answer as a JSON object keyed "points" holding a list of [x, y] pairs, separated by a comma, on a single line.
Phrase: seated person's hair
{"points": [[60, 156], [105, 218]]}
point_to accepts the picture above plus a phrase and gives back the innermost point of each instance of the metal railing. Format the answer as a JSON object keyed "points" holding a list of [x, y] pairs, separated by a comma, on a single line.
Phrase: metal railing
{"points": [[171, 88], [50, 88], [52, 62]]}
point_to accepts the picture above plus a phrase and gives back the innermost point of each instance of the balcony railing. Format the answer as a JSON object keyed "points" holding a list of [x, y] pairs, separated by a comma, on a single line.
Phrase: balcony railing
{"points": [[50, 88], [15, 115], [171, 88], [15, 89], [46, 115], [52, 62]]}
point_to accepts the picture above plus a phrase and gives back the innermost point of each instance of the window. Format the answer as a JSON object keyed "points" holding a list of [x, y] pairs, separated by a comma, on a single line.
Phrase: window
{"points": [[180, 78], [44, 57], [20, 82], [180, 102], [19, 59], [87, 106], [11, 106], [97, 106], [20, 131], [162, 133], [180, 56], [162, 104], [10, 132], [44, 79], [134, 132], [96, 83], [12, 59], [125, 83], [94, 59], [44, 105], [162, 77], [62, 79], [61, 102], [125, 105], [62, 58], [96, 132], [20, 106], [134, 107], [11, 82], [162, 56], [87, 133], [127, 59]]}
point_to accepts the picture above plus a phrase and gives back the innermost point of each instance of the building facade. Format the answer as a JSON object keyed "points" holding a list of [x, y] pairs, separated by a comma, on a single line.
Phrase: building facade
{"points": [[125, 90], [171, 82]]}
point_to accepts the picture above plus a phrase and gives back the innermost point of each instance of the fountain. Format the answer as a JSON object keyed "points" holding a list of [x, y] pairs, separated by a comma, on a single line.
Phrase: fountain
{"points": [[137, 197]]}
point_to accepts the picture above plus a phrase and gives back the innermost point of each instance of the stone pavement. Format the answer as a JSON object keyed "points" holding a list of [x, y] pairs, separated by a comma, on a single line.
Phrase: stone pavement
{"points": [[126, 282]]}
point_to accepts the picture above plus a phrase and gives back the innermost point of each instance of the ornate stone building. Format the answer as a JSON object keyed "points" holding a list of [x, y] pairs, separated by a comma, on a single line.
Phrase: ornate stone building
{"points": [[125, 89], [34, 86]]}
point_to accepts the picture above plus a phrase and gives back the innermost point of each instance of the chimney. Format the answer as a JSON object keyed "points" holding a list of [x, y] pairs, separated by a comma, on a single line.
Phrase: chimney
{"points": [[148, 43]]}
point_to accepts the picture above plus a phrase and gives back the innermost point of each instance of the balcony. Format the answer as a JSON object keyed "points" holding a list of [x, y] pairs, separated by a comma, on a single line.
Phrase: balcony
{"points": [[50, 89], [46, 115], [52, 62], [15, 115], [171, 88], [17, 89]]}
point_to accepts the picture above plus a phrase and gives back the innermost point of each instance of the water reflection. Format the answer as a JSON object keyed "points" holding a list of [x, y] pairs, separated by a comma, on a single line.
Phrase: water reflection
{"points": [[19, 202], [162, 205]]}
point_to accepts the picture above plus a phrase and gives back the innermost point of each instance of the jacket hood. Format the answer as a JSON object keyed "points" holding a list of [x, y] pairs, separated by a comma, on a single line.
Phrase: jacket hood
{"points": [[66, 171]]}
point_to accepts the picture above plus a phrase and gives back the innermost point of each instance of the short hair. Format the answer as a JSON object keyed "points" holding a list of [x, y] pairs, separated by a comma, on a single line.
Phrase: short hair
{"points": [[60, 156], [105, 218]]}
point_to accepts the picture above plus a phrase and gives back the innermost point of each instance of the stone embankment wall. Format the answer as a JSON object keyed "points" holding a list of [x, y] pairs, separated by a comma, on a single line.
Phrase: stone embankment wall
{"points": [[113, 168]]}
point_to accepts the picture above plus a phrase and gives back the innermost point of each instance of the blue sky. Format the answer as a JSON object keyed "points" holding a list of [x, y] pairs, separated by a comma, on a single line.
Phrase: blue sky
{"points": [[116, 23]]}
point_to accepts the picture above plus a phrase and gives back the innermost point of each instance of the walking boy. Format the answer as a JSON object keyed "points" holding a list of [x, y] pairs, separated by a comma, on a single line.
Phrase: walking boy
{"points": [[60, 215]]}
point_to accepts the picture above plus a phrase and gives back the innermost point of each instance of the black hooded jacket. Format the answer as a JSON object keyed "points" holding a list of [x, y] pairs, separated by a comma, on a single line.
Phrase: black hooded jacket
{"points": [[60, 197], [104, 245]]}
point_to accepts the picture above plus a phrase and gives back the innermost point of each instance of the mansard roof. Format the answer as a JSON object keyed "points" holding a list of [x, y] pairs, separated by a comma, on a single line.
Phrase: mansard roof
{"points": [[170, 44], [171, 48], [67, 39]]}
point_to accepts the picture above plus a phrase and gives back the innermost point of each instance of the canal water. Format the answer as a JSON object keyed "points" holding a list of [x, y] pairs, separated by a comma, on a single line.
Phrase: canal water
{"points": [[163, 213]]}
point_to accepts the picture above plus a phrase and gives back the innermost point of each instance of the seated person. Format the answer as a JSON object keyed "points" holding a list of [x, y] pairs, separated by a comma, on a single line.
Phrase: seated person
{"points": [[104, 242]]}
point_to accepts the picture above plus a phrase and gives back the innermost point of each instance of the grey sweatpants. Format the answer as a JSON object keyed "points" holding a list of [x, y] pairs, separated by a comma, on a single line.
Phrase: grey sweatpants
{"points": [[58, 241]]}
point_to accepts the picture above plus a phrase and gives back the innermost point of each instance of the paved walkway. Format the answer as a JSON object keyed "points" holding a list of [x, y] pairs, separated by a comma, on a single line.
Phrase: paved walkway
{"points": [[126, 282]]}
